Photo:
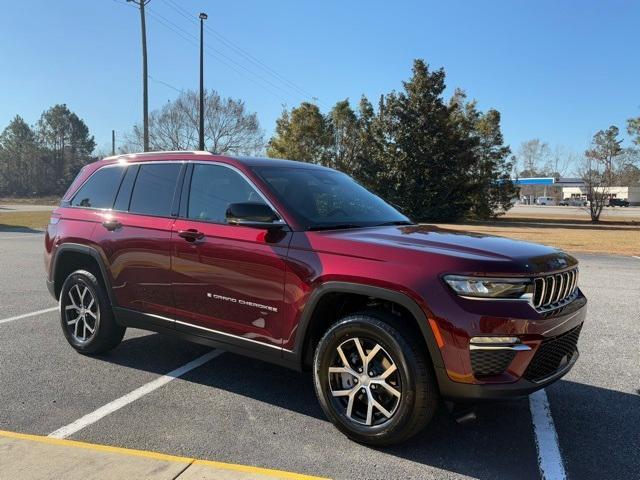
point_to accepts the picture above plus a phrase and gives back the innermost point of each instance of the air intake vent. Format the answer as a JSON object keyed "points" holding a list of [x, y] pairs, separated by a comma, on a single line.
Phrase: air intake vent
{"points": [[554, 291]]}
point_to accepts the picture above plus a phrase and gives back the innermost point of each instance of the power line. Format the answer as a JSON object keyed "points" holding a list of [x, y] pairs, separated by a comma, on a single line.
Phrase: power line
{"points": [[215, 51], [192, 39], [179, 90], [181, 11]]}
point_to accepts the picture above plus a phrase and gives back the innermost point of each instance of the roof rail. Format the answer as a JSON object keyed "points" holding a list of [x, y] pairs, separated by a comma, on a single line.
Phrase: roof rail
{"points": [[163, 152]]}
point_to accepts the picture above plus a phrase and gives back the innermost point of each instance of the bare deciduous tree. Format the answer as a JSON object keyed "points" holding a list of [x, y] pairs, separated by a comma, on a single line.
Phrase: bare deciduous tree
{"points": [[532, 155], [229, 127], [598, 183]]}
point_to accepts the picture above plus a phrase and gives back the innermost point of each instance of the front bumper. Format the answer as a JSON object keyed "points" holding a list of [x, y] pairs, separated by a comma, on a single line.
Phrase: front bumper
{"points": [[464, 392], [519, 380]]}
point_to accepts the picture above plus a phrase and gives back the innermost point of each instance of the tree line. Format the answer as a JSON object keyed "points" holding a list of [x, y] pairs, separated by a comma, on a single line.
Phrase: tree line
{"points": [[435, 159], [45, 158]]}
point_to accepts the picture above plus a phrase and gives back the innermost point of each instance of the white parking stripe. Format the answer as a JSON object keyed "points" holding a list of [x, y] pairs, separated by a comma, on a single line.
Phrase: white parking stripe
{"points": [[132, 396], [549, 457], [635, 256], [27, 315]]}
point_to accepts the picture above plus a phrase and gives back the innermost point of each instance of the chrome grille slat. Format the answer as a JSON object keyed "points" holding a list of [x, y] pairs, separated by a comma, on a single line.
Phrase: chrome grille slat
{"points": [[556, 290]]}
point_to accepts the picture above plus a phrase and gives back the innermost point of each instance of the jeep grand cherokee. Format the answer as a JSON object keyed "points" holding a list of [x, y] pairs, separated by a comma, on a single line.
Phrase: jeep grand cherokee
{"points": [[299, 265]]}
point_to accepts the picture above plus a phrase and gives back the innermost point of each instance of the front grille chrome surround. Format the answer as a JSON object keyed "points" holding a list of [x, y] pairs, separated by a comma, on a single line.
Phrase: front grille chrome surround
{"points": [[555, 290]]}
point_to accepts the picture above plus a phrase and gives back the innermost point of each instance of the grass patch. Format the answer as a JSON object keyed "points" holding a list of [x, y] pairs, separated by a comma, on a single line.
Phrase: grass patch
{"points": [[50, 200], [24, 221], [572, 238]]}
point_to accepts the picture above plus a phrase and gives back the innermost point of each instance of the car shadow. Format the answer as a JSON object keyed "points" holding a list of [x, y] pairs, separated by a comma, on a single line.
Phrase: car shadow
{"points": [[597, 427], [498, 444]]}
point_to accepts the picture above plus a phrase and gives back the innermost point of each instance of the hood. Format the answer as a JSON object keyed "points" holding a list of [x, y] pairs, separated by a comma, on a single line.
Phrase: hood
{"points": [[502, 253]]}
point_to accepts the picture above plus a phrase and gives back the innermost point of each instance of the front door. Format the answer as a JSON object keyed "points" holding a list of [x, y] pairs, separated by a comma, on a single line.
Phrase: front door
{"points": [[228, 279]]}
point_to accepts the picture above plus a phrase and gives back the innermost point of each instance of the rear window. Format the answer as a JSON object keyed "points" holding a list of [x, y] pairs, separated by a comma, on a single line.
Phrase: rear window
{"points": [[154, 188], [100, 190]]}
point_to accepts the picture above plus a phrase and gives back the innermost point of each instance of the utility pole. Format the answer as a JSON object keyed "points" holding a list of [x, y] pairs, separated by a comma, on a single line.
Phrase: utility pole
{"points": [[113, 142], [203, 17], [145, 93]]}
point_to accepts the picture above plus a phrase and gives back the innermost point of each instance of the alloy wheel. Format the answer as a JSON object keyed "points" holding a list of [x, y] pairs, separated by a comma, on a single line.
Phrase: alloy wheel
{"points": [[81, 313], [365, 382]]}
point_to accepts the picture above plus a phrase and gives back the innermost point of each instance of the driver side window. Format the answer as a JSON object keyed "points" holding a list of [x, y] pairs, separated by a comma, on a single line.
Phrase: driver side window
{"points": [[213, 188]]}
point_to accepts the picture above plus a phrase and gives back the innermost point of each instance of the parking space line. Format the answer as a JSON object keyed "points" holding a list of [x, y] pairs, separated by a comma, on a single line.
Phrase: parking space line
{"points": [[635, 256], [27, 315], [235, 467], [133, 396], [549, 457]]}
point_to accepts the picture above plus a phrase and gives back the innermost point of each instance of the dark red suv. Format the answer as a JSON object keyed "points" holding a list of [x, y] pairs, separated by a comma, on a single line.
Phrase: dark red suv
{"points": [[299, 265]]}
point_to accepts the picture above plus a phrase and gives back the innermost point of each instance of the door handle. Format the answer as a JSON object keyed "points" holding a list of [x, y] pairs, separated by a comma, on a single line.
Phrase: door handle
{"points": [[111, 225], [191, 235]]}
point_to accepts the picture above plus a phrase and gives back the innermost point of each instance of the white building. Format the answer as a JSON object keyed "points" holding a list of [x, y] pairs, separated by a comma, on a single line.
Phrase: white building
{"points": [[632, 194]]}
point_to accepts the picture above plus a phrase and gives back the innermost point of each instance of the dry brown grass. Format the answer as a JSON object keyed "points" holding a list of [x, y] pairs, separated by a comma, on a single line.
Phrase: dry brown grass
{"points": [[583, 219], [16, 221], [572, 238]]}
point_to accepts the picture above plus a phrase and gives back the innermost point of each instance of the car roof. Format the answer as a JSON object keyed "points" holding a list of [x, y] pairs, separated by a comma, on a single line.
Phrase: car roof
{"points": [[207, 156]]}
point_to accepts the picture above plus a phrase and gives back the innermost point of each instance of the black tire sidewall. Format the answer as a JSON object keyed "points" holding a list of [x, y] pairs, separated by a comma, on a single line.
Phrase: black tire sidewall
{"points": [[104, 326], [371, 328]]}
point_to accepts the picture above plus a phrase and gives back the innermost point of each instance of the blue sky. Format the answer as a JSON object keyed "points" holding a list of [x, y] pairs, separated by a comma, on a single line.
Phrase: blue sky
{"points": [[555, 70]]}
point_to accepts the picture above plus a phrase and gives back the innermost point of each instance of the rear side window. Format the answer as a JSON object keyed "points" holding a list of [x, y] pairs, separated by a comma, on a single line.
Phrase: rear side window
{"points": [[154, 188], [100, 190]]}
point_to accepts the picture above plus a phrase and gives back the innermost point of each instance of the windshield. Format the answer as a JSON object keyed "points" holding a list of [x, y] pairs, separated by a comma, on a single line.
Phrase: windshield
{"points": [[326, 199]]}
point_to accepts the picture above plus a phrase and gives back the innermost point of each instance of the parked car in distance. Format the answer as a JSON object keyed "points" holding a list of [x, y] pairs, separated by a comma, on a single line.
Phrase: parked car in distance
{"points": [[618, 202], [545, 201], [573, 202], [299, 265]]}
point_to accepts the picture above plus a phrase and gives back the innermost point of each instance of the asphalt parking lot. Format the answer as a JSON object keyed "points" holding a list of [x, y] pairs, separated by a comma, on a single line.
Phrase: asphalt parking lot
{"points": [[237, 410]]}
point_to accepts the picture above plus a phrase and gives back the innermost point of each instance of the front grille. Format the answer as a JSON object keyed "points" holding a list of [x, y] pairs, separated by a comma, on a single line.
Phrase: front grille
{"points": [[554, 291], [552, 354], [490, 362]]}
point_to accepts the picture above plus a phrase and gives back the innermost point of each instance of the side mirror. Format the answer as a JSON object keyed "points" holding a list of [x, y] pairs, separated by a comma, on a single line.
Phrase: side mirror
{"points": [[253, 214]]}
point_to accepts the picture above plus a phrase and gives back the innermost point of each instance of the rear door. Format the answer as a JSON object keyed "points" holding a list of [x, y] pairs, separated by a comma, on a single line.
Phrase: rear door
{"points": [[136, 237], [229, 282]]}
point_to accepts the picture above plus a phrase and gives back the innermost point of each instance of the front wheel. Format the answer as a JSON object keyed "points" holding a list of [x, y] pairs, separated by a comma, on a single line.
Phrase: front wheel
{"points": [[374, 381], [86, 316]]}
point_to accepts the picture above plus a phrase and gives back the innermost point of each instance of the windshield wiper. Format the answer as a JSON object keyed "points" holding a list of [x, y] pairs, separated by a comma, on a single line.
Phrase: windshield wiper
{"points": [[337, 226], [394, 222]]}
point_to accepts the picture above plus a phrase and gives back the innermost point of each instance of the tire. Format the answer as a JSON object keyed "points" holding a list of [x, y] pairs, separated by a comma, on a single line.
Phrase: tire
{"points": [[86, 316], [413, 378]]}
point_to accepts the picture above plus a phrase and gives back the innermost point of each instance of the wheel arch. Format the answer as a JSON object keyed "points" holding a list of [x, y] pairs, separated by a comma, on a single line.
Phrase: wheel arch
{"points": [[305, 332], [70, 257]]}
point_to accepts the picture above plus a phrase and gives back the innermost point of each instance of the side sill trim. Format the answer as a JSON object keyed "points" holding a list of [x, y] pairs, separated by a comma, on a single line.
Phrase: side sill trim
{"points": [[216, 332]]}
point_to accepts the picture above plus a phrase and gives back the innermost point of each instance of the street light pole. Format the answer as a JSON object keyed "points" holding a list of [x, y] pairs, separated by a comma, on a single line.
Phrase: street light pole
{"points": [[203, 17]]}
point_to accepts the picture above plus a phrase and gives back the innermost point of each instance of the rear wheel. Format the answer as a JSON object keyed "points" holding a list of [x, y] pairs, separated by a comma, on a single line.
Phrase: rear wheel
{"points": [[86, 316], [373, 380]]}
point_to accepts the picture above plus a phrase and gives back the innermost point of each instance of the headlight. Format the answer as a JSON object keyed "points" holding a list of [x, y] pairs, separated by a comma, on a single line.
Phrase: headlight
{"points": [[483, 287]]}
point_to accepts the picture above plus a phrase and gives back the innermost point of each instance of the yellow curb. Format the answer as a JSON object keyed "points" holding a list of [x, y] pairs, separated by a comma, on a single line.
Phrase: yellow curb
{"points": [[159, 456]]}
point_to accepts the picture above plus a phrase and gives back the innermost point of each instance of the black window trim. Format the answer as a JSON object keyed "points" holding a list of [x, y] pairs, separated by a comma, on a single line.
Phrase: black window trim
{"points": [[131, 165]]}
